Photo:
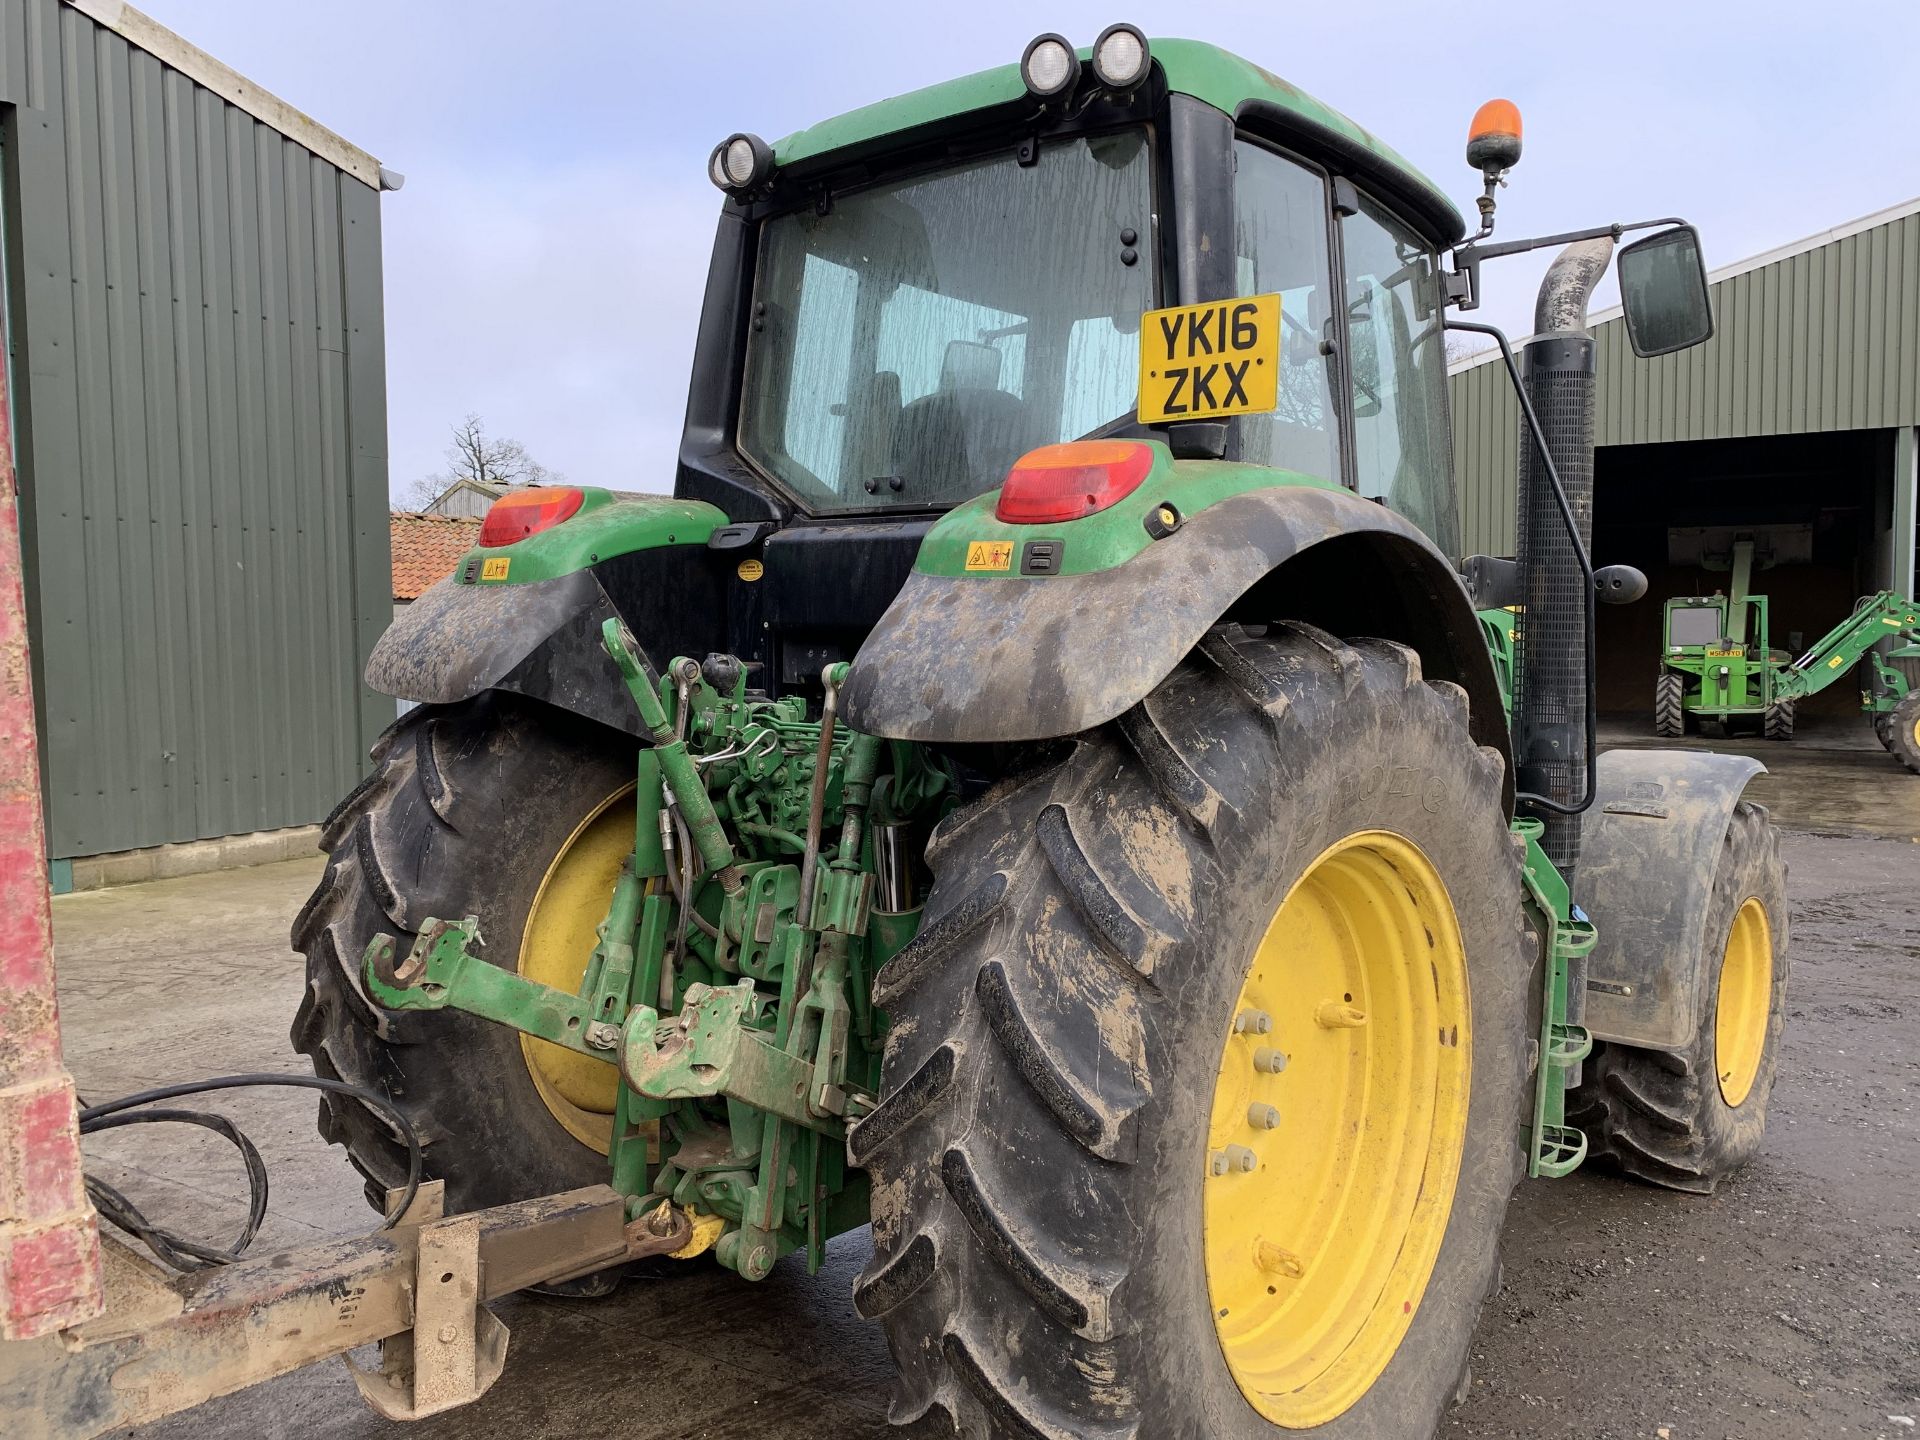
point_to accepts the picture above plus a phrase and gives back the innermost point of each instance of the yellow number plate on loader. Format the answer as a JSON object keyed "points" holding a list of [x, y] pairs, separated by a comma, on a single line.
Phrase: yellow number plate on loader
{"points": [[1200, 362]]}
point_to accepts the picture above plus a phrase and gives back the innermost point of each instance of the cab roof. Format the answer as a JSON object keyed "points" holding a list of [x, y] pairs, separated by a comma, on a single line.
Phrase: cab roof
{"points": [[1205, 72]]}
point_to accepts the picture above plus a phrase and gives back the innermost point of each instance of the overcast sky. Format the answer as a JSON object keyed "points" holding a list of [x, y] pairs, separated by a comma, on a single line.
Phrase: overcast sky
{"points": [[545, 261]]}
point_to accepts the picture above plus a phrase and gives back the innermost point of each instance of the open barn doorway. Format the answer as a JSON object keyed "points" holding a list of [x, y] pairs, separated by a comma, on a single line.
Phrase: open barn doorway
{"points": [[1816, 506]]}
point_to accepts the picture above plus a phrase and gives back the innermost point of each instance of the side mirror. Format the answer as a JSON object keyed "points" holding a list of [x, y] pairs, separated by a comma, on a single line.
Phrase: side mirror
{"points": [[1663, 290], [1363, 364]]}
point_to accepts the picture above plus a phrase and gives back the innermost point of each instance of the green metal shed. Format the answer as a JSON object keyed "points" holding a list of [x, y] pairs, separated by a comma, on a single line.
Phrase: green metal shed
{"points": [[1796, 421], [197, 365]]}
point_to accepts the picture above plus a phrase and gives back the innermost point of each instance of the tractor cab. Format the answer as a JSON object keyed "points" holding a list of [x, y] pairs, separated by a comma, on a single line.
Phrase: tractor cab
{"points": [[1697, 622], [907, 299]]}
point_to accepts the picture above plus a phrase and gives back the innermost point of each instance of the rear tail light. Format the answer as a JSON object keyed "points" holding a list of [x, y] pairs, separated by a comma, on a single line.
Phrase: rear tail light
{"points": [[1065, 482], [520, 513]]}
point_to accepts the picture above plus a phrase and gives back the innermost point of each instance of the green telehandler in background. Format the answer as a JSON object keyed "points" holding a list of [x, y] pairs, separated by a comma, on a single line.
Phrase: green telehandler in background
{"points": [[1039, 785], [1718, 664]]}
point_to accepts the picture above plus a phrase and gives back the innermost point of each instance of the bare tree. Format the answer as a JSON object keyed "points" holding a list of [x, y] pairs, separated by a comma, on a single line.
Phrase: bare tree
{"points": [[1461, 345], [484, 459]]}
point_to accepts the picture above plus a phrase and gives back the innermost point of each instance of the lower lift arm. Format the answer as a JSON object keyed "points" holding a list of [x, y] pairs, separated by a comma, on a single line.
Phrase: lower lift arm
{"points": [[706, 1051]]}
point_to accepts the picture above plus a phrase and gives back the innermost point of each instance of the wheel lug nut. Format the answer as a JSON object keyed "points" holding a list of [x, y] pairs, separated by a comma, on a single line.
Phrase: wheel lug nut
{"points": [[1252, 1022], [1240, 1158], [1269, 1061], [1333, 1015], [1217, 1163], [1262, 1117]]}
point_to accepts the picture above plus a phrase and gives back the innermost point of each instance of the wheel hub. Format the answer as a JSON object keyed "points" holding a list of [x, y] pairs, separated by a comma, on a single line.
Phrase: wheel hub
{"points": [[560, 935], [1745, 1002], [1338, 1122]]}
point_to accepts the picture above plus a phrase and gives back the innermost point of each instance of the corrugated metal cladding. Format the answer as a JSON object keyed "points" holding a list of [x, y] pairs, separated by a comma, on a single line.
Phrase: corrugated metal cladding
{"points": [[1826, 339], [197, 349]]}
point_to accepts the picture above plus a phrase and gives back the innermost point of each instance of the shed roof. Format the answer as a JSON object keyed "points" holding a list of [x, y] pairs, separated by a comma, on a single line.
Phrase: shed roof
{"points": [[426, 548], [142, 30]]}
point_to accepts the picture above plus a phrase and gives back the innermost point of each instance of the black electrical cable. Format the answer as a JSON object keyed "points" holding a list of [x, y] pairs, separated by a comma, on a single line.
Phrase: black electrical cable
{"points": [[186, 1254], [170, 1248]]}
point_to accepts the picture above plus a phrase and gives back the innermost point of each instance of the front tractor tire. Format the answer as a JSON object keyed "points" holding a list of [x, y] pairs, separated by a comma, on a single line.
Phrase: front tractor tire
{"points": [[1205, 1085], [1688, 1119], [1777, 720], [1901, 733], [1670, 705], [490, 808]]}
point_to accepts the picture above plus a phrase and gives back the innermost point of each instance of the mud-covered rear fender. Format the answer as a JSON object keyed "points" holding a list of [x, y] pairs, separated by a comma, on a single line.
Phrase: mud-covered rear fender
{"points": [[997, 659], [540, 639], [1648, 851]]}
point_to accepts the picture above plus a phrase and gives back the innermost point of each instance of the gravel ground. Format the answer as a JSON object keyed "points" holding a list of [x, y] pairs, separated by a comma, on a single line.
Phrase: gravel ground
{"points": [[1787, 1304]]}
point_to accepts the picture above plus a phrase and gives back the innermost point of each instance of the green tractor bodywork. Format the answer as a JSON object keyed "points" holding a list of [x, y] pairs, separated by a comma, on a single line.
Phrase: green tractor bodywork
{"points": [[1719, 649], [879, 648]]}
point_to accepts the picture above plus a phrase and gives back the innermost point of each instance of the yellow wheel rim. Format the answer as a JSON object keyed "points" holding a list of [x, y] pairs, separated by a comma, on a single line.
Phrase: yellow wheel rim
{"points": [[561, 931], [1324, 1214], [1746, 1002]]}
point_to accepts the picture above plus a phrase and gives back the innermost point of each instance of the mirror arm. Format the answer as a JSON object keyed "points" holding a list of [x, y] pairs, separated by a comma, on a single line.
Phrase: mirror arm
{"points": [[1463, 285]]}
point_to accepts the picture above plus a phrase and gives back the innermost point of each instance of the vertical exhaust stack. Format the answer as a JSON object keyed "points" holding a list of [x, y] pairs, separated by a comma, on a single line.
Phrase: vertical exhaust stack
{"points": [[1550, 701]]}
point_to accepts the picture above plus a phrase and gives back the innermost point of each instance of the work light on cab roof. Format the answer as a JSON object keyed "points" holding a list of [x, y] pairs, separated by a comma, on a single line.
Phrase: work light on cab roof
{"points": [[1050, 67], [740, 163], [1120, 57]]}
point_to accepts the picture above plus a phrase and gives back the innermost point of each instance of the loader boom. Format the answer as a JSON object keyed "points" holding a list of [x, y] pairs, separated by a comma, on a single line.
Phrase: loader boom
{"points": [[1843, 647]]}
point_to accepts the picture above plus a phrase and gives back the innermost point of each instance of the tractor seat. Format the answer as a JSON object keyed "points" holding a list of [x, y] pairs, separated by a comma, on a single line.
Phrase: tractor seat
{"points": [[964, 437]]}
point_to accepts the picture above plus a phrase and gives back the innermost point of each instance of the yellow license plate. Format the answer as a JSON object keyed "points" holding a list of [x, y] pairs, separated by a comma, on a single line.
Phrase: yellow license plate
{"points": [[1723, 654], [1199, 362]]}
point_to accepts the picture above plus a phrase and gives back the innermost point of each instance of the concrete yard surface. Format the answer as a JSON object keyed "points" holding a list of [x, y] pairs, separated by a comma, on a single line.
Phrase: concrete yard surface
{"points": [[1786, 1305]]}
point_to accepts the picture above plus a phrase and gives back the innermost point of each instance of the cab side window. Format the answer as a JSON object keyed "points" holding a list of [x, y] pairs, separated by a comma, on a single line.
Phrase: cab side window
{"points": [[1398, 373], [1280, 244]]}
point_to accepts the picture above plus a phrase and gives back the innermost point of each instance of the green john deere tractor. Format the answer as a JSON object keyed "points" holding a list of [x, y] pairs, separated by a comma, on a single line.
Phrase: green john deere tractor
{"points": [[1718, 666], [1040, 785]]}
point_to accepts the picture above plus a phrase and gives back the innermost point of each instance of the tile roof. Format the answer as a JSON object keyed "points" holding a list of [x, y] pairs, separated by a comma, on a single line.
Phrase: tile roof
{"points": [[426, 548]]}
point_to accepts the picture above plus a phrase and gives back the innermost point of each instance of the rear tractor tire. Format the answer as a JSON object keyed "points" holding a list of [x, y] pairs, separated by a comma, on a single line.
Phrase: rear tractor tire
{"points": [[1777, 721], [1902, 734], [1669, 705], [1206, 1072], [1686, 1120], [504, 809]]}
